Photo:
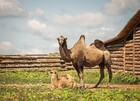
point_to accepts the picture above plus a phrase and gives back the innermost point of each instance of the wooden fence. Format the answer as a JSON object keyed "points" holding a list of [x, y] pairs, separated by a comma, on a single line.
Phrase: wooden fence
{"points": [[30, 61], [37, 61]]}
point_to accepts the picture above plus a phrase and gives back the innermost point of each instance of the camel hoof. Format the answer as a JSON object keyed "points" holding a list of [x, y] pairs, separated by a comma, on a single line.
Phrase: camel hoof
{"points": [[95, 86], [82, 86]]}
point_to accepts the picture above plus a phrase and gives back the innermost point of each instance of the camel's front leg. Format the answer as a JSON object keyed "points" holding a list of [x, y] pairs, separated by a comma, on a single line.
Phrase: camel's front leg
{"points": [[81, 76], [79, 70]]}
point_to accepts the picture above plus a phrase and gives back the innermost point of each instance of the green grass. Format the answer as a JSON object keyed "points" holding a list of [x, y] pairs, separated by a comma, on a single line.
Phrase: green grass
{"points": [[125, 78], [24, 78], [90, 77], [45, 94]]}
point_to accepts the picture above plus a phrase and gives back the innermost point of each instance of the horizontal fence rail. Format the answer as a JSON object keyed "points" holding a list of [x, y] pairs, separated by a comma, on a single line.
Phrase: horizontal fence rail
{"points": [[45, 61], [30, 61]]}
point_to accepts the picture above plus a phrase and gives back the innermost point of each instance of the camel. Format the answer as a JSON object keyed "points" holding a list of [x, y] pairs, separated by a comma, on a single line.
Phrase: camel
{"points": [[86, 55], [66, 80]]}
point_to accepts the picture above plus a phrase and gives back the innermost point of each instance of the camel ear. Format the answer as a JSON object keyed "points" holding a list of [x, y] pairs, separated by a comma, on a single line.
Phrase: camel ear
{"points": [[57, 38], [65, 38]]}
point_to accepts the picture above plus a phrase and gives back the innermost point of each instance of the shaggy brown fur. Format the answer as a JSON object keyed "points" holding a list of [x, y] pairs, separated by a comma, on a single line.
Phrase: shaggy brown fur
{"points": [[86, 55], [65, 80]]}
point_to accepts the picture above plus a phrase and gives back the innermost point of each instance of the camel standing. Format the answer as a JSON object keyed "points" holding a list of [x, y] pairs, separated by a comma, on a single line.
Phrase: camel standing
{"points": [[86, 55]]}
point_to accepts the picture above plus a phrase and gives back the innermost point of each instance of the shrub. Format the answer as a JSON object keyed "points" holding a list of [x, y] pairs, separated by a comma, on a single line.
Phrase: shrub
{"points": [[125, 78]]}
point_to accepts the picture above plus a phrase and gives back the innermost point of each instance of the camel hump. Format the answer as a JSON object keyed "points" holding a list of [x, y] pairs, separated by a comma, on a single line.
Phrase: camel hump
{"points": [[99, 44], [82, 37]]}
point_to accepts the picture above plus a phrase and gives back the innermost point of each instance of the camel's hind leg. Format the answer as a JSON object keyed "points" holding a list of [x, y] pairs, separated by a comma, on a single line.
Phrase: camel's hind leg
{"points": [[109, 72], [101, 75]]}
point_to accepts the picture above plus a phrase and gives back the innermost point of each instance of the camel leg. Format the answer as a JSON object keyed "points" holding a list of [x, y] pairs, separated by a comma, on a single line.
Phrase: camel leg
{"points": [[109, 72], [79, 70], [81, 76], [101, 75]]}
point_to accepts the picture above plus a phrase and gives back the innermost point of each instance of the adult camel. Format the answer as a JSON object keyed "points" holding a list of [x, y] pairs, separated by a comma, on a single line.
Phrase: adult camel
{"points": [[86, 55]]}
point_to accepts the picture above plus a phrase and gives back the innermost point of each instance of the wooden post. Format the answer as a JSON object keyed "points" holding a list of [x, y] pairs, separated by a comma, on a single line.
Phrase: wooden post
{"points": [[124, 55], [134, 32]]}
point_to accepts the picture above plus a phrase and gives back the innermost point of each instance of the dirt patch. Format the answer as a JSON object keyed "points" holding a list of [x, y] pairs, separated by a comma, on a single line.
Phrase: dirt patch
{"points": [[87, 86], [24, 85], [113, 86]]}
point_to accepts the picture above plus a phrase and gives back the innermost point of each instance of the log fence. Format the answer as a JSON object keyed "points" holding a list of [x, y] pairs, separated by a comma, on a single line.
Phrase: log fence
{"points": [[47, 61], [30, 61]]}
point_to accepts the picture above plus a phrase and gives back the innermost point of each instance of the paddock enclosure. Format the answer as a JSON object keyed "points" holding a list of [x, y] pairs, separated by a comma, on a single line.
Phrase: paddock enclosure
{"points": [[125, 47], [31, 61]]}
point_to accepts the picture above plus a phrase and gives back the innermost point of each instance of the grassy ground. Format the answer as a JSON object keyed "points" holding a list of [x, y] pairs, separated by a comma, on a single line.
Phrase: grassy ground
{"points": [[41, 92], [44, 93]]}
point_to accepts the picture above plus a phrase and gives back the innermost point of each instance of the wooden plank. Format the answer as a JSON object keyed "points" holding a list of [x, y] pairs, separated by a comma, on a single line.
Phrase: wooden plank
{"points": [[117, 67], [137, 69], [116, 55], [137, 34], [137, 52], [30, 61], [129, 54], [115, 49], [137, 41], [129, 41], [117, 63], [116, 45], [116, 52], [137, 49], [137, 59], [129, 69], [28, 57], [129, 62], [137, 62], [124, 55], [117, 59], [128, 58], [129, 49], [136, 46], [31, 65], [137, 65], [128, 65]]}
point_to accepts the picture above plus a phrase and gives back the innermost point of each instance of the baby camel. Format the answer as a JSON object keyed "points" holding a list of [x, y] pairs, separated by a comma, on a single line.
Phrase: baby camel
{"points": [[66, 80]]}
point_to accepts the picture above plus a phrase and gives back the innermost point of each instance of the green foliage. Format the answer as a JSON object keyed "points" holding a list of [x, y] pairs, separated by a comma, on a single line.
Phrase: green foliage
{"points": [[125, 78], [90, 77], [43, 93], [24, 77]]}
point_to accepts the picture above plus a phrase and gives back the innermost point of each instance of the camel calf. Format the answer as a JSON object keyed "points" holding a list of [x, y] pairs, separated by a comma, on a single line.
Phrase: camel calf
{"points": [[66, 80]]}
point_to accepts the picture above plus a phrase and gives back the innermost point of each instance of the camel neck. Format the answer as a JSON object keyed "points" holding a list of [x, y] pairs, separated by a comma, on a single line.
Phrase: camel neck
{"points": [[65, 53], [54, 80]]}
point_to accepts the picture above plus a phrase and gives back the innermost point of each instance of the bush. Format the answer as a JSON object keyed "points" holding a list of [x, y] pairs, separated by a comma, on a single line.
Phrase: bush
{"points": [[125, 78]]}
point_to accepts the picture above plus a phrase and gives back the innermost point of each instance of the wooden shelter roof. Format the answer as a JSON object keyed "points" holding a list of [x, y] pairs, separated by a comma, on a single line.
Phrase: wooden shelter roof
{"points": [[133, 22]]}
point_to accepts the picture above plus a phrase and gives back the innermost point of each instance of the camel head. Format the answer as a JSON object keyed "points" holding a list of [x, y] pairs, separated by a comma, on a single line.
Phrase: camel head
{"points": [[53, 74], [61, 40]]}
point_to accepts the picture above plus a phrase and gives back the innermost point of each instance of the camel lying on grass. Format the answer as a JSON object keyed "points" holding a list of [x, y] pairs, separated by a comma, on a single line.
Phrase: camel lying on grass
{"points": [[66, 80]]}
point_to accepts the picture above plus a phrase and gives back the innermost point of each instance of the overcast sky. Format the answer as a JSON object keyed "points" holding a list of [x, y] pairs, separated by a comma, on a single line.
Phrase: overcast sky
{"points": [[32, 26]]}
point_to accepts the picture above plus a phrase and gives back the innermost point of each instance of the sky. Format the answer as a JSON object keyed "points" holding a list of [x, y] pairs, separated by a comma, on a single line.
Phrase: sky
{"points": [[33, 26]]}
